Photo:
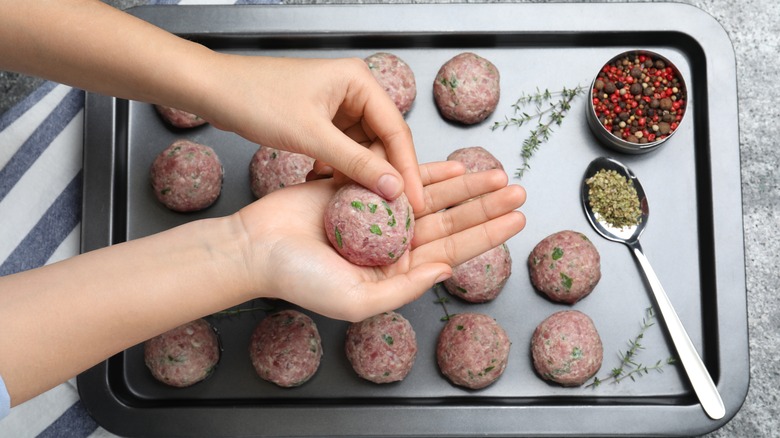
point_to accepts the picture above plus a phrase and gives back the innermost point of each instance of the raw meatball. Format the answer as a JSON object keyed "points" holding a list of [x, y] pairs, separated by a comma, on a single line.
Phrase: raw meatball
{"points": [[187, 176], [366, 229], [179, 118], [566, 348], [467, 88], [286, 348], [565, 266], [472, 350], [482, 278], [476, 159], [272, 169], [395, 76], [382, 348], [183, 356]]}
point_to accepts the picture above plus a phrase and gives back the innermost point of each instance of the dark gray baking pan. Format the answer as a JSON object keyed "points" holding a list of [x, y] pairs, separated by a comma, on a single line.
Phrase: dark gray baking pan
{"points": [[694, 237]]}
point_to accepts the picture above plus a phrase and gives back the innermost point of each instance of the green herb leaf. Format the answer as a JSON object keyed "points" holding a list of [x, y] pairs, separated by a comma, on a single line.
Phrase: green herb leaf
{"points": [[557, 253], [374, 228], [566, 281], [372, 207], [629, 367], [357, 205], [338, 238], [388, 339], [554, 114]]}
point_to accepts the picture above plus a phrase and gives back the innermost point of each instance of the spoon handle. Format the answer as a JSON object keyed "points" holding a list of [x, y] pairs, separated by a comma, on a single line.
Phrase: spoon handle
{"points": [[699, 377]]}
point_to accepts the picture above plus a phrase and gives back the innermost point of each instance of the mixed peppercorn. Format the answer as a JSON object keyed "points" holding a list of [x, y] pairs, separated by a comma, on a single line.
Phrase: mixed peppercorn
{"points": [[639, 98]]}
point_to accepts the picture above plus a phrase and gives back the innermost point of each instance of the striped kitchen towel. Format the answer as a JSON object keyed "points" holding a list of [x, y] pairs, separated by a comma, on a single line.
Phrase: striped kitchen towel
{"points": [[41, 140]]}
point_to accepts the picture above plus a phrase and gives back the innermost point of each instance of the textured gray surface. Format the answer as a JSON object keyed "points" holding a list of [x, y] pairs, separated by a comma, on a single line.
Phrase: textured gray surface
{"points": [[754, 29]]}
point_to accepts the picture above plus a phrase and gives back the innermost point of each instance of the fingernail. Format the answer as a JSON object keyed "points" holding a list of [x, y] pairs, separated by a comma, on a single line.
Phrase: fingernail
{"points": [[325, 171], [389, 186]]}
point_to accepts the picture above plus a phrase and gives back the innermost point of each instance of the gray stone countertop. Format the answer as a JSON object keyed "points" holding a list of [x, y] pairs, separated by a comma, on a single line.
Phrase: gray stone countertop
{"points": [[754, 29]]}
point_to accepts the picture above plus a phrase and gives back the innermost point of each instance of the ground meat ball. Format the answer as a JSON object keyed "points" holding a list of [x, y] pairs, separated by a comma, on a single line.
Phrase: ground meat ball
{"points": [[566, 348], [472, 350], [476, 159], [482, 278], [565, 266], [382, 348], [286, 348], [187, 176], [366, 229], [272, 169], [467, 88], [179, 118], [395, 76], [183, 356]]}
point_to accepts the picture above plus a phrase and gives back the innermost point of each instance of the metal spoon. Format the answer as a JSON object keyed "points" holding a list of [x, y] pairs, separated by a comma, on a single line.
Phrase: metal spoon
{"points": [[697, 373]]}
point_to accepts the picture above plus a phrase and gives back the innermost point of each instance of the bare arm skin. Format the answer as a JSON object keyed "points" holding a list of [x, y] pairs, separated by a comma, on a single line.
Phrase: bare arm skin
{"points": [[269, 101], [63, 318]]}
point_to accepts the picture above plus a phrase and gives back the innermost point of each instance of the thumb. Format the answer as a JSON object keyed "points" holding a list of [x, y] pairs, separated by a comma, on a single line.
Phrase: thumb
{"points": [[360, 164], [402, 289]]}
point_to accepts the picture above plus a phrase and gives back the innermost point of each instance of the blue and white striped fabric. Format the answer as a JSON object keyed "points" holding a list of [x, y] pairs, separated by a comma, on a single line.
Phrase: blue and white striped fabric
{"points": [[41, 140]]}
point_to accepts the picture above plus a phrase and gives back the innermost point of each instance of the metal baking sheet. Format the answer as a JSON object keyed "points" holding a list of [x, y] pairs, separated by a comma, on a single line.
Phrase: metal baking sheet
{"points": [[694, 237]]}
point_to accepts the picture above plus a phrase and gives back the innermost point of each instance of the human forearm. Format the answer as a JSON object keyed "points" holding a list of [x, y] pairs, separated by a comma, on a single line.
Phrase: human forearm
{"points": [[93, 46], [64, 318]]}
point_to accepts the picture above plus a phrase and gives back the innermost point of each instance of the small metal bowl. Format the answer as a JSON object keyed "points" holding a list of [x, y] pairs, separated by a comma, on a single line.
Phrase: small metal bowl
{"points": [[621, 144]]}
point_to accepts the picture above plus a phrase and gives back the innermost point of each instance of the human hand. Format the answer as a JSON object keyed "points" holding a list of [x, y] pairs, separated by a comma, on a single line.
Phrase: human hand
{"points": [[289, 256], [329, 109]]}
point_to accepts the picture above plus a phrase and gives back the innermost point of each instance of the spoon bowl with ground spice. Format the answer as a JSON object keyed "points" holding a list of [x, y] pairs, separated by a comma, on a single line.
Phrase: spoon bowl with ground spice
{"points": [[616, 206]]}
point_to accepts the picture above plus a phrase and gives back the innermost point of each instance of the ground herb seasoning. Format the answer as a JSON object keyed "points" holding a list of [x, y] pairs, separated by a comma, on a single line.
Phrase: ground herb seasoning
{"points": [[613, 197]]}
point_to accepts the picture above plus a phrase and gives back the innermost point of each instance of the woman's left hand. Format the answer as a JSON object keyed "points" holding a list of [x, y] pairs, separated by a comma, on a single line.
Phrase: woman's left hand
{"points": [[290, 257]]}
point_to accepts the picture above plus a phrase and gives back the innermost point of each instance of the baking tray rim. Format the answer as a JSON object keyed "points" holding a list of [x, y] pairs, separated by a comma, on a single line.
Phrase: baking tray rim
{"points": [[729, 259]]}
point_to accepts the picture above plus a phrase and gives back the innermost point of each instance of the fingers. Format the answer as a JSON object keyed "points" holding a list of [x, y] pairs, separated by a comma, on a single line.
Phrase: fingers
{"points": [[381, 117], [452, 191], [432, 173], [470, 214], [460, 247], [360, 164]]}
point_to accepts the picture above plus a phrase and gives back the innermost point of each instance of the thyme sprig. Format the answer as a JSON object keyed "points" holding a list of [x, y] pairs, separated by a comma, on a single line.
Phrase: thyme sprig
{"points": [[442, 300], [236, 311], [629, 367], [546, 118]]}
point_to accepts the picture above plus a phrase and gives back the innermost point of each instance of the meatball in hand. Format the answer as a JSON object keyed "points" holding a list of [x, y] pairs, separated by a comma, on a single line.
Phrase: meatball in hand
{"points": [[289, 255]]}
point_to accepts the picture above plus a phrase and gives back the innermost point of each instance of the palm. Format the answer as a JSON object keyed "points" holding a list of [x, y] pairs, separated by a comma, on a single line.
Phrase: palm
{"points": [[292, 250]]}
